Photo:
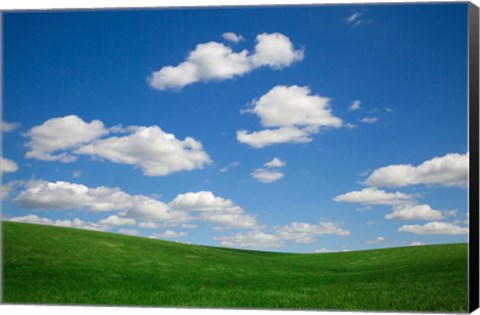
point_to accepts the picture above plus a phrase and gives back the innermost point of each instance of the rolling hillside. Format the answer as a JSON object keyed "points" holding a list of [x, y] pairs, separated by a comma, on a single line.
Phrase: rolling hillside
{"points": [[53, 265]]}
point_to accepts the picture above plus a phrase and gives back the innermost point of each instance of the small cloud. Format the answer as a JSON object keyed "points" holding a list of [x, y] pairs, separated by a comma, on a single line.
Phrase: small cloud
{"points": [[266, 176], [355, 105], [170, 234], [350, 125], [388, 110], [7, 127], [275, 162], [322, 250], [369, 120], [416, 243], [232, 37], [354, 17], [77, 174]]}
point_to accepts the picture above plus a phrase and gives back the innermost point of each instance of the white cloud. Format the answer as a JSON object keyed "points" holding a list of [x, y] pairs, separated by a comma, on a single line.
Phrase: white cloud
{"points": [[306, 233], [77, 174], [61, 195], [434, 228], [8, 127], [303, 233], [59, 134], [128, 232], [7, 166], [379, 239], [252, 239], [215, 61], [115, 220], [170, 234], [355, 105], [374, 196], [75, 223], [232, 37], [266, 176], [274, 50], [189, 226], [448, 170], [263, 138], [214, 209], [294, 111], [322, 250], [369, 120], [157, 153], [232, 165], [416, 243], [275, 162], [415, 212]]}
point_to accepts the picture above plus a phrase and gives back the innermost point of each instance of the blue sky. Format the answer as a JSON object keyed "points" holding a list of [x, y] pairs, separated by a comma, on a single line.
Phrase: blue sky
{"points": [[162, 123]]}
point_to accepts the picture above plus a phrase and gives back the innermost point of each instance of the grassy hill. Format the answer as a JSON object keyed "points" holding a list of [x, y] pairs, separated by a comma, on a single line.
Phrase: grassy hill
{"points": [[53, 265]]}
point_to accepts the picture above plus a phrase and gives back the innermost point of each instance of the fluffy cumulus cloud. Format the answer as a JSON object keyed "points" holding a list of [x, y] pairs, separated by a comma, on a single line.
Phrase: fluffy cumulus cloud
{"points": [[266, 176], [448, 170], [232, 37], [156, 152], [49, 140], [39, 194], [7, 126], [374, 196], [415, 212], [216, 61], [214, 209], [75, 223], [7, 166], [434, 228], [291, 114]]}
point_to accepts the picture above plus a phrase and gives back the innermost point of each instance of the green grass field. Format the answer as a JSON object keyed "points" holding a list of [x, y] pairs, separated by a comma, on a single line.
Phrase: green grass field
{"points": [[53, 265]]}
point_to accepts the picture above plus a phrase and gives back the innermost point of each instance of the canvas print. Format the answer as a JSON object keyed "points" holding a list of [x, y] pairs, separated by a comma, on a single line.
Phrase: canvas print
{"points": [[277, 157]]}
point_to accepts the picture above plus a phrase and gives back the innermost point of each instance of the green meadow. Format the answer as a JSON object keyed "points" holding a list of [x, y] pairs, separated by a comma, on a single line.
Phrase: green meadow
{"points": [[54, 265]]}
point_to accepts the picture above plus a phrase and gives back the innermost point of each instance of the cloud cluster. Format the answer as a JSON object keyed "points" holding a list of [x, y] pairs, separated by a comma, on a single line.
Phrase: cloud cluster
{"points": [[154, 151], [270, 173], [216, 61], [303, 233], [291, 114], [150, 213], [61, 195], [448, 170]]}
